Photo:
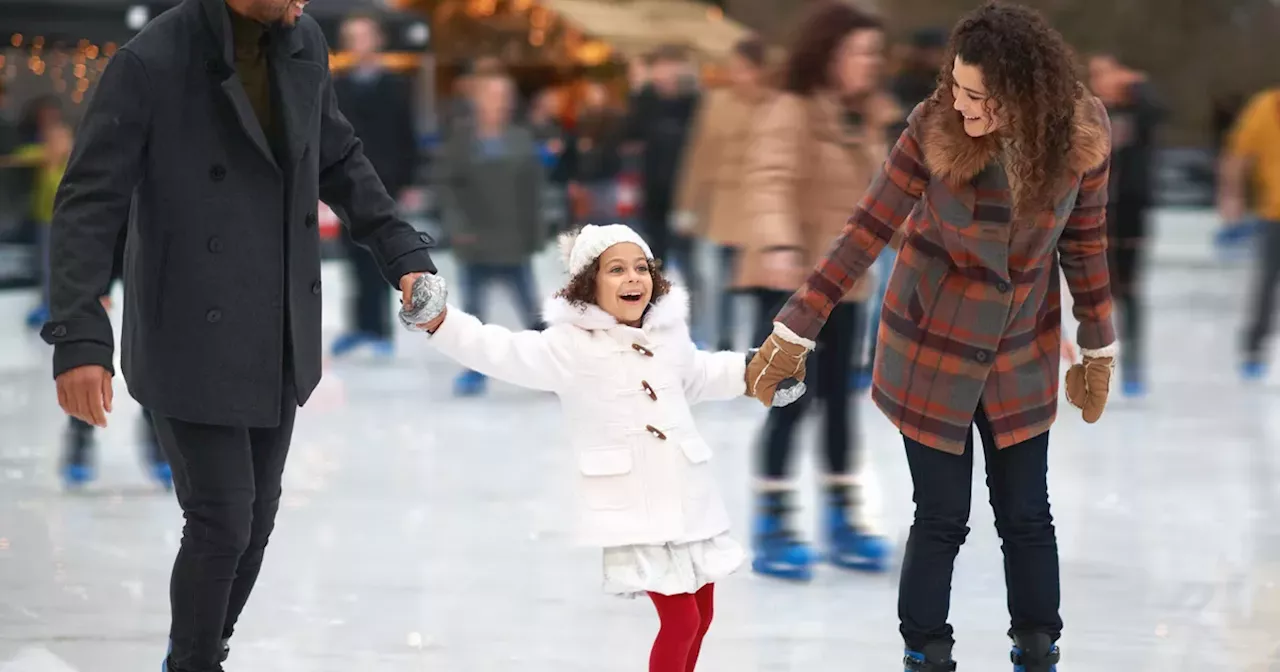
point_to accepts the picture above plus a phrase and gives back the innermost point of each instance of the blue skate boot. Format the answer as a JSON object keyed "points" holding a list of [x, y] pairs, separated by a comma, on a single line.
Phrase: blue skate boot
{"points": [[1253, 369], [1034, 652], [778, 552], [849, 545], [1134, 388], [933, 657], [77, 466], [469, 384], [37, 317]]}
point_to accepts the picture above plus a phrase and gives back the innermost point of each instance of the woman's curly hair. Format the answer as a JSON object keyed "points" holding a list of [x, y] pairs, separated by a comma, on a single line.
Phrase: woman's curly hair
{"points": [[1030, 75], [581, 290]]}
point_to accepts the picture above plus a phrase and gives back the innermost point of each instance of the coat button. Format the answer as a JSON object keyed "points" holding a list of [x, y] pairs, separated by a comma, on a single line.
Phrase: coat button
{"points": [[212, 66], [642, 350], [426, 239], [644, 384], [315, 287], [215, 245], [60, 331], [214, 315], [982, 356], [656, 432], [217, 172], [311, 220], [1002, 286]]}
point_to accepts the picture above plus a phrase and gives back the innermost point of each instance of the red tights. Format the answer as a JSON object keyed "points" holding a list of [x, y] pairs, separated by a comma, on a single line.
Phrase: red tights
{"points": [[684, 620]]}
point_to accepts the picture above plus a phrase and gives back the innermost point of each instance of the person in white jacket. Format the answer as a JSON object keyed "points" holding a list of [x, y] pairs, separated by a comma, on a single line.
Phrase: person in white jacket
{"points": [[618, 353]]}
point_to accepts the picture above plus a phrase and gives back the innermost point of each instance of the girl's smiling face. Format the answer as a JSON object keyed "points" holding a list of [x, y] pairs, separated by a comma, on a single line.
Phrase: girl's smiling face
{"points": [[624, 284]]}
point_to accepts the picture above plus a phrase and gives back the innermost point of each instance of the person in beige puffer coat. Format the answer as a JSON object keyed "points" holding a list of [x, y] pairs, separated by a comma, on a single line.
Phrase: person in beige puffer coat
{"points": [[814, 150], [709, 196]]}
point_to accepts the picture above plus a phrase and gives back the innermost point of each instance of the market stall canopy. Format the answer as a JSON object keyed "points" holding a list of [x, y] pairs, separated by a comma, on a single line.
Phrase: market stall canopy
{"points": [[120, 19], [635, 26]]}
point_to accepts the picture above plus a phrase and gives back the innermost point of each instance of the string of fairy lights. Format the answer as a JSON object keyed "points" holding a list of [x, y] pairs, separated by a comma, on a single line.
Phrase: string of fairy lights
{"points": [[71, 69]]}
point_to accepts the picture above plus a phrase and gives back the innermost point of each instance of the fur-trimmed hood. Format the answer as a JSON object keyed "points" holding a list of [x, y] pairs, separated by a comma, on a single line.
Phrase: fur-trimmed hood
{"points": [[957, 158], [668, 311]]}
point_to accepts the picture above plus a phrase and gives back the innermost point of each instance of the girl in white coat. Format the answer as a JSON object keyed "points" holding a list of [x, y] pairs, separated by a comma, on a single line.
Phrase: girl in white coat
{"points": [[617, 352]]}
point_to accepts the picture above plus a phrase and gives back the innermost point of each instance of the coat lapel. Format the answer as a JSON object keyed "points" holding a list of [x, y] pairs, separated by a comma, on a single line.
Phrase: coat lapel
{"points": [[298, 84], [233, 88], [222, 67]]}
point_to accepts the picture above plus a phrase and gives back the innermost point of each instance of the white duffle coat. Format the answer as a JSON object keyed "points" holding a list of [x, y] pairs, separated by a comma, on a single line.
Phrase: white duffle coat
{"points": [[626, 393]]}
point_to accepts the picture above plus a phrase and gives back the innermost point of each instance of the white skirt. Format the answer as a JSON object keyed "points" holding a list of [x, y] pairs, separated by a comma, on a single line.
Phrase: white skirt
{"points": [[670, 569]]}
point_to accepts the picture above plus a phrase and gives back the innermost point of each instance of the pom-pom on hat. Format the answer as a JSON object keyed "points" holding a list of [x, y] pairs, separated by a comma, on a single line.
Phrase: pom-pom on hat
{"points": [[580, 248]]}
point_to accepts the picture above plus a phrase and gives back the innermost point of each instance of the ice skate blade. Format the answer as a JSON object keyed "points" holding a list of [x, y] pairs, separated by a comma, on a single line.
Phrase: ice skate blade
{"points": [[782, 571]]}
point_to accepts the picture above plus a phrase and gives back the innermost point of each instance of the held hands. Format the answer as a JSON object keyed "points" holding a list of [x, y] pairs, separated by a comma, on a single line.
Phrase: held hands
{"points": [[775, 375], [423, 301], [1088, 385]]}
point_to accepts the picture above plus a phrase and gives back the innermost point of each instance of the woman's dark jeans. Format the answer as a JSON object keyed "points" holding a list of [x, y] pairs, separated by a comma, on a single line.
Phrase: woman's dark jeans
{"points": [[1017, 481]]}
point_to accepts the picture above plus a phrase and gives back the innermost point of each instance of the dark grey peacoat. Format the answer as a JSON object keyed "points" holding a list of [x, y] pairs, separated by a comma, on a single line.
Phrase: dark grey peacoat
{"points": [[223, 244]]}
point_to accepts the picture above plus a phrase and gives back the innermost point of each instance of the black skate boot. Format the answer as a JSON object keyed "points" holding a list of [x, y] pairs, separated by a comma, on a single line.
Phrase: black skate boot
{"points": [[1034, 652], [933, 657]]}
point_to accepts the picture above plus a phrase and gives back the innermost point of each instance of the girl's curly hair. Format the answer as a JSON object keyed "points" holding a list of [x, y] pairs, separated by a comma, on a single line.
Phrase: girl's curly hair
{"points": [[1030, 75], [581, 290]]}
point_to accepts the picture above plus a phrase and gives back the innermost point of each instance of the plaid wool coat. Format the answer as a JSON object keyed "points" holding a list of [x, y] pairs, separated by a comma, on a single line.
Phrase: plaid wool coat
{"points": [[972, 313]]}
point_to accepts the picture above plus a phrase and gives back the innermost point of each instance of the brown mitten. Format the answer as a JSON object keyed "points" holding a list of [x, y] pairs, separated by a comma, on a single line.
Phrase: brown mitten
{"points": [[777, 360], [1088, 385]]}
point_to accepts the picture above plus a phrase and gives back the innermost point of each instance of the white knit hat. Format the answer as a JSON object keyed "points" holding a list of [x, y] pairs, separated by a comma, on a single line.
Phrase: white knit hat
{"points": [[580, 248]]}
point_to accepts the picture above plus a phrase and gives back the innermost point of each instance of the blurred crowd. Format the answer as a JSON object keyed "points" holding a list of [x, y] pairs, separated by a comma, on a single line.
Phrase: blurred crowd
{"points": [[719, 168]]}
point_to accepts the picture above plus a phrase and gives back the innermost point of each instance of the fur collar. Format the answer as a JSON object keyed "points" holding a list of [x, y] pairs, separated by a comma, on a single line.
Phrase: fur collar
{"points": [[957, 158], [668, 311]]}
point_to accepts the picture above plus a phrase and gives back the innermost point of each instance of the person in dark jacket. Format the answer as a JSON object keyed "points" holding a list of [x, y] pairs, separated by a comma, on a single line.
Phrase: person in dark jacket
{"points": [[78, 449], [491, 182], [380, 108], [1136, 115], [593, 157], [658, 125], [918, 78], [213, 134]]}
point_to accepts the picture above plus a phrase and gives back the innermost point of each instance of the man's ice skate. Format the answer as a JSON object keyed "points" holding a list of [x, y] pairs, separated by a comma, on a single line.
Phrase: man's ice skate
{"points": [[778, 551], [1034, 652], [226, 653], [933, 657]]}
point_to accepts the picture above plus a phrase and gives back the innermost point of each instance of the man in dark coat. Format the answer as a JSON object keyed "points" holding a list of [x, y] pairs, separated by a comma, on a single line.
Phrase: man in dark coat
{"points": [[213, 135], [379, 106]]}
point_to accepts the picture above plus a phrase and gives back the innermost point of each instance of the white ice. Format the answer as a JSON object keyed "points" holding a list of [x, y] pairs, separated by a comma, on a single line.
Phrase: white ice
{"points": [[424, 532]]}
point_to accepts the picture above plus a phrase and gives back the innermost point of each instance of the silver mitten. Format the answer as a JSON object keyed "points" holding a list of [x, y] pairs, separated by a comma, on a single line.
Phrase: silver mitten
{"points": [[428, 296], [787, 392]]}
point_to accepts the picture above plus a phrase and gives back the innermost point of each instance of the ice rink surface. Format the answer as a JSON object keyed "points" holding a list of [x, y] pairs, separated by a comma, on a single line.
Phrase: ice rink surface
{"points": [[425, 532]]}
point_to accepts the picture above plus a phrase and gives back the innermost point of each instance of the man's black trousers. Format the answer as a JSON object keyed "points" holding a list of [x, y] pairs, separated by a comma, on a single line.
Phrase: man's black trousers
{"points": [[227, 480]]}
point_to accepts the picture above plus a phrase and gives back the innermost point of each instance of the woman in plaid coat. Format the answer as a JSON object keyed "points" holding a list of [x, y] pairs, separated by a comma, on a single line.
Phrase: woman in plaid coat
{"points": [[999, 180]]}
